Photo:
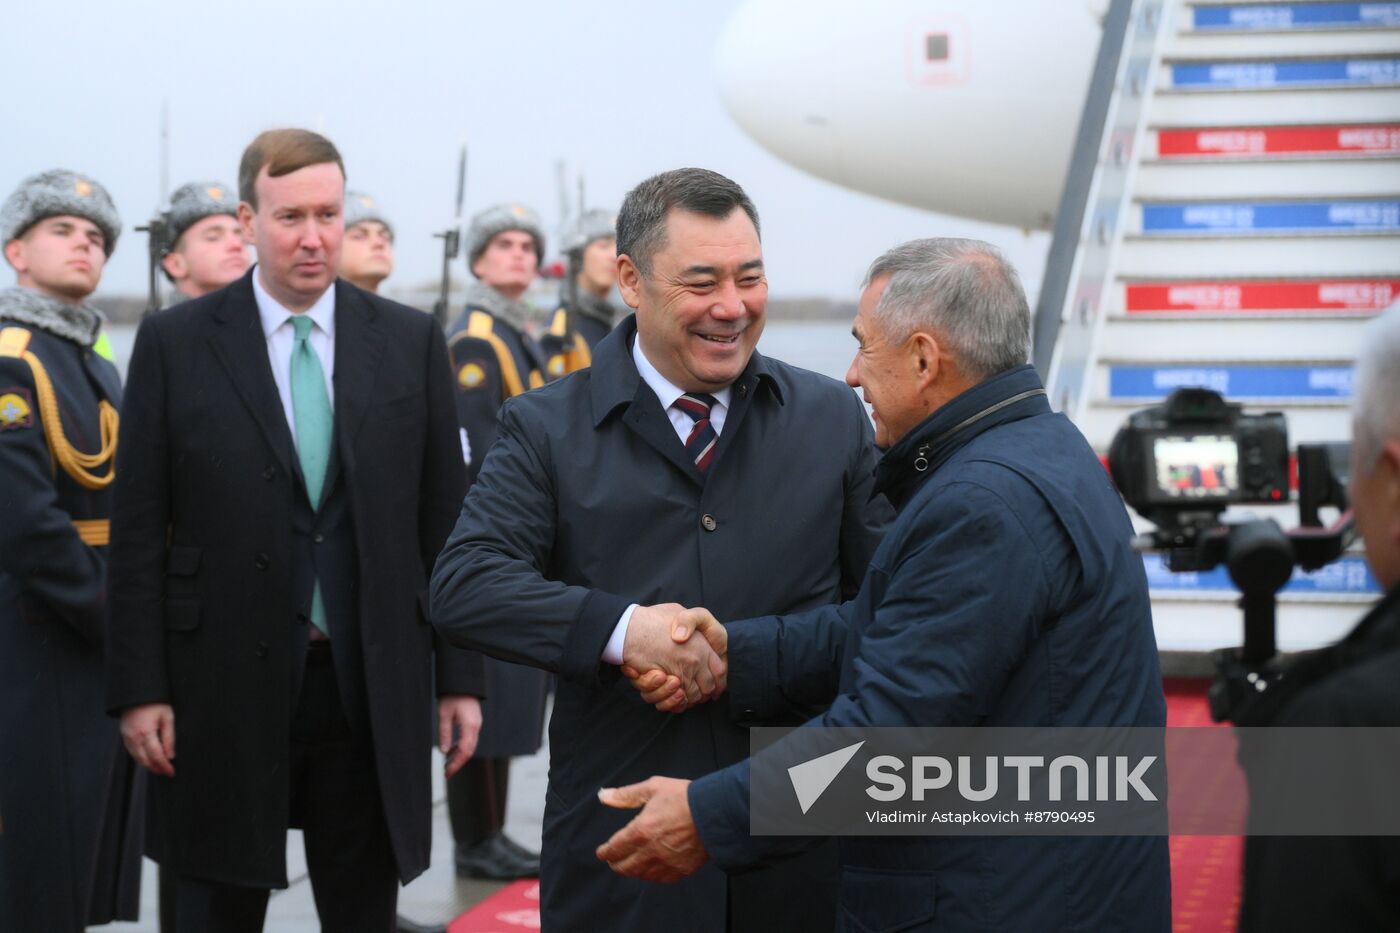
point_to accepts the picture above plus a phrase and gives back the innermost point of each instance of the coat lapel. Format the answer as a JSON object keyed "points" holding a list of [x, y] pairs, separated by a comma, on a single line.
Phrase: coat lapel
{"points": [[241, 349], [359, 347], [647, 419]]}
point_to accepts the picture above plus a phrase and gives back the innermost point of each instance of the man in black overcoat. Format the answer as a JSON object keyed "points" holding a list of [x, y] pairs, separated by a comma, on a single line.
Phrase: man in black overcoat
{"points": [[682, 465], [292, 466]]}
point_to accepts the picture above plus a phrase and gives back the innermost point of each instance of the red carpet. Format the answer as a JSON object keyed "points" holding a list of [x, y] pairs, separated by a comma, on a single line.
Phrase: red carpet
{"points": [[1205, 869], [514, 908]]}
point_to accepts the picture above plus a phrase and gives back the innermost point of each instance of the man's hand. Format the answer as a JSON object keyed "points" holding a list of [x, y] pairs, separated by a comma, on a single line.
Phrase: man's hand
{"points": [[463, 712], [661, 843], [658, 639], [663, 690], [149, 734]]}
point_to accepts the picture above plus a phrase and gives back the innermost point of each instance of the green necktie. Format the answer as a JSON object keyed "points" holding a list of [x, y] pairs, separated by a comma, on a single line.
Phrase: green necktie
{"points": [[311, 407]]}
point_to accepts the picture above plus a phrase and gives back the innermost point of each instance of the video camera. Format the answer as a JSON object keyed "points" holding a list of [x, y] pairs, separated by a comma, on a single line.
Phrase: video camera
{"points": [[1182, 463]]}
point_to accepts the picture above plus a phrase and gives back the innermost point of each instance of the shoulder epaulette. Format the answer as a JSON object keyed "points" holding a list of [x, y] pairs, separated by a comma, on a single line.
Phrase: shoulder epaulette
{"points": [[14, 341], [482, 326]]}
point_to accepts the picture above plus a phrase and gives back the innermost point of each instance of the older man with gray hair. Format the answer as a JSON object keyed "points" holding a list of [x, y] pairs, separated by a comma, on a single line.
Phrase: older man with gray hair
{"points": [[1345, 882], [1006, 593]]}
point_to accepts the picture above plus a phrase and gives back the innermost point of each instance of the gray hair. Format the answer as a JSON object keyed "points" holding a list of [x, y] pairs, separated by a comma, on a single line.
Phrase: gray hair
{"points": [[962, 290], [1376, 386], [641, 223]]}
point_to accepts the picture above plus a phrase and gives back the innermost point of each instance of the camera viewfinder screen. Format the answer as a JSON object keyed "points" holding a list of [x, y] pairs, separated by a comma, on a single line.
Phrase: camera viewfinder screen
{"points": [[1204, 466]]}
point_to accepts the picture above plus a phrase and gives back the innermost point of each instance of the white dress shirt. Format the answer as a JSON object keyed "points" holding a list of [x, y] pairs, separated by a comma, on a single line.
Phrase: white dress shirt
{"points": [[281, 339], [666, 393]]}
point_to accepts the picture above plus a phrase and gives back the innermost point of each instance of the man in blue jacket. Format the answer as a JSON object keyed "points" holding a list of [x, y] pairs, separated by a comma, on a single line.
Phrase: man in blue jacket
{"points": [[1005, 594]]}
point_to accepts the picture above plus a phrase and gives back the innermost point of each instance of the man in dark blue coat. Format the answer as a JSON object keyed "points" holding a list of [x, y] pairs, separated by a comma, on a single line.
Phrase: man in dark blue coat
{"points": [[682, 464], [1005, 594]]}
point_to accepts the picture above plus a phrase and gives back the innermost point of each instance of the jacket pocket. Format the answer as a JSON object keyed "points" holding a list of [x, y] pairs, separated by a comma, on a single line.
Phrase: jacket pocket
{"points": [[182, 561], [181, 615], [886, 901]]}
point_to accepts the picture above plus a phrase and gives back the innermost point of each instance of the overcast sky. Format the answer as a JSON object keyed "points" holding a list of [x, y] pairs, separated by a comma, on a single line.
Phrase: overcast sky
{"points": [[618, 89]]}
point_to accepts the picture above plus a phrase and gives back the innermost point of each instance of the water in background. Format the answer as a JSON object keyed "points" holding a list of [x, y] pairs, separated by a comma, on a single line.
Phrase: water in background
{"points": [[823, 346]]}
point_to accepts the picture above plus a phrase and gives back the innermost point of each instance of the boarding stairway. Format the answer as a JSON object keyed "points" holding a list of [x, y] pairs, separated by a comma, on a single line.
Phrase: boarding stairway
{"points": [[1231, 219]]}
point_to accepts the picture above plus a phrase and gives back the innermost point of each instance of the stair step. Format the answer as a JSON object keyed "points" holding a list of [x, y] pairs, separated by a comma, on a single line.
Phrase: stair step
{"points": [[1312, 424], [1144, 339], [1145, 257], [1185, 623], [1257, 45], [1320, 105], [1274, 179]]}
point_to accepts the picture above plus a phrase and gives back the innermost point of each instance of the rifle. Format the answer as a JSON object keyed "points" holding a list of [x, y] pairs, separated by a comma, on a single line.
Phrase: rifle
{"points": [[575, 266], [155, 251], [451, 242]]}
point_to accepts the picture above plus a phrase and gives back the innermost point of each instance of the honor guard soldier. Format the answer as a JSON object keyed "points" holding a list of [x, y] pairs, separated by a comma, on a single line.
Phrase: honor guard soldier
{"points": [[367, 257], [205, 248], [494, 359], [585, 315], [69, 826]]}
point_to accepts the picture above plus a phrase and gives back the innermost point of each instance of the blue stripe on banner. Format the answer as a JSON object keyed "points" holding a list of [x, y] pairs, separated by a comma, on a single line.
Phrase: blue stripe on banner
{"points": [[1356, 72], [1248, 217], [1272, 16], [1349, 575], [1233, 382]]}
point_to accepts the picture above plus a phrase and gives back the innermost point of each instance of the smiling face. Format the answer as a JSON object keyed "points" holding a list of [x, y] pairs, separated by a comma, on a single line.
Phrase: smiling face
{"points": [[700, 311], [62, 257], [297, 230]]}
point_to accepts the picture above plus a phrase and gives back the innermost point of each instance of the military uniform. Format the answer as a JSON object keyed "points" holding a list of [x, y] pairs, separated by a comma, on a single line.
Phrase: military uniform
{"points": [[582, 318], [70, 807], [494, 359], [69, 843]]}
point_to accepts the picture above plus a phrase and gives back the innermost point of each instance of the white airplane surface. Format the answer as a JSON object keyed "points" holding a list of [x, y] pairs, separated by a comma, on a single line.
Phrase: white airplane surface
{"points": [[964, 107]]}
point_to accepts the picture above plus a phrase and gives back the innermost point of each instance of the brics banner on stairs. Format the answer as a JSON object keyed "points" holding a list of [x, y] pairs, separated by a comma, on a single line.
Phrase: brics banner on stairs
{"points": [[1345, 296], [1347, 576], [1240, 76], [1255, 141], [889, 781], [1269, 17], [1239, 383], [1255, 217]]}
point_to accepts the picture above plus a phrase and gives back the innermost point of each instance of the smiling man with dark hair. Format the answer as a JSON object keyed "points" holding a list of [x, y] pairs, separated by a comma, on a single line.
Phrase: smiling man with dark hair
{"points": [[682, 465]]}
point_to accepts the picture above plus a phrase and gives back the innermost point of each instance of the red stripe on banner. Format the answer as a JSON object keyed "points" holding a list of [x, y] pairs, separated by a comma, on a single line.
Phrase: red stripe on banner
{"points": [[1243, 142], [1331, 295]]}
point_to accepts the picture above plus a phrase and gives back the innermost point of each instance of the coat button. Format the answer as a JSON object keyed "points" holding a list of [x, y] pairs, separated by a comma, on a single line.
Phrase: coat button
{"points": [[269, 472], [261, 649], [261, 562], [318, 537], [302, 619], [709, 523]]}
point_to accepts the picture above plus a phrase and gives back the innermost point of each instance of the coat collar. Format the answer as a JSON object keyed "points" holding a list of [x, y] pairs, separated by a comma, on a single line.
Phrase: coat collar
{"points": [[1015, 394], [614, 380], [241, 348]]}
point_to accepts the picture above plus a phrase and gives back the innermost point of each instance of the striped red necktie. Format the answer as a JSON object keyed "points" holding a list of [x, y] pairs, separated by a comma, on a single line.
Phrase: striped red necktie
{"points": [[702, 440]]}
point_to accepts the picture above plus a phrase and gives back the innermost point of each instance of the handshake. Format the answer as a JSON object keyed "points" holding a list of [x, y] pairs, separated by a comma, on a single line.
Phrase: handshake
{"points": [[672, 670]]}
